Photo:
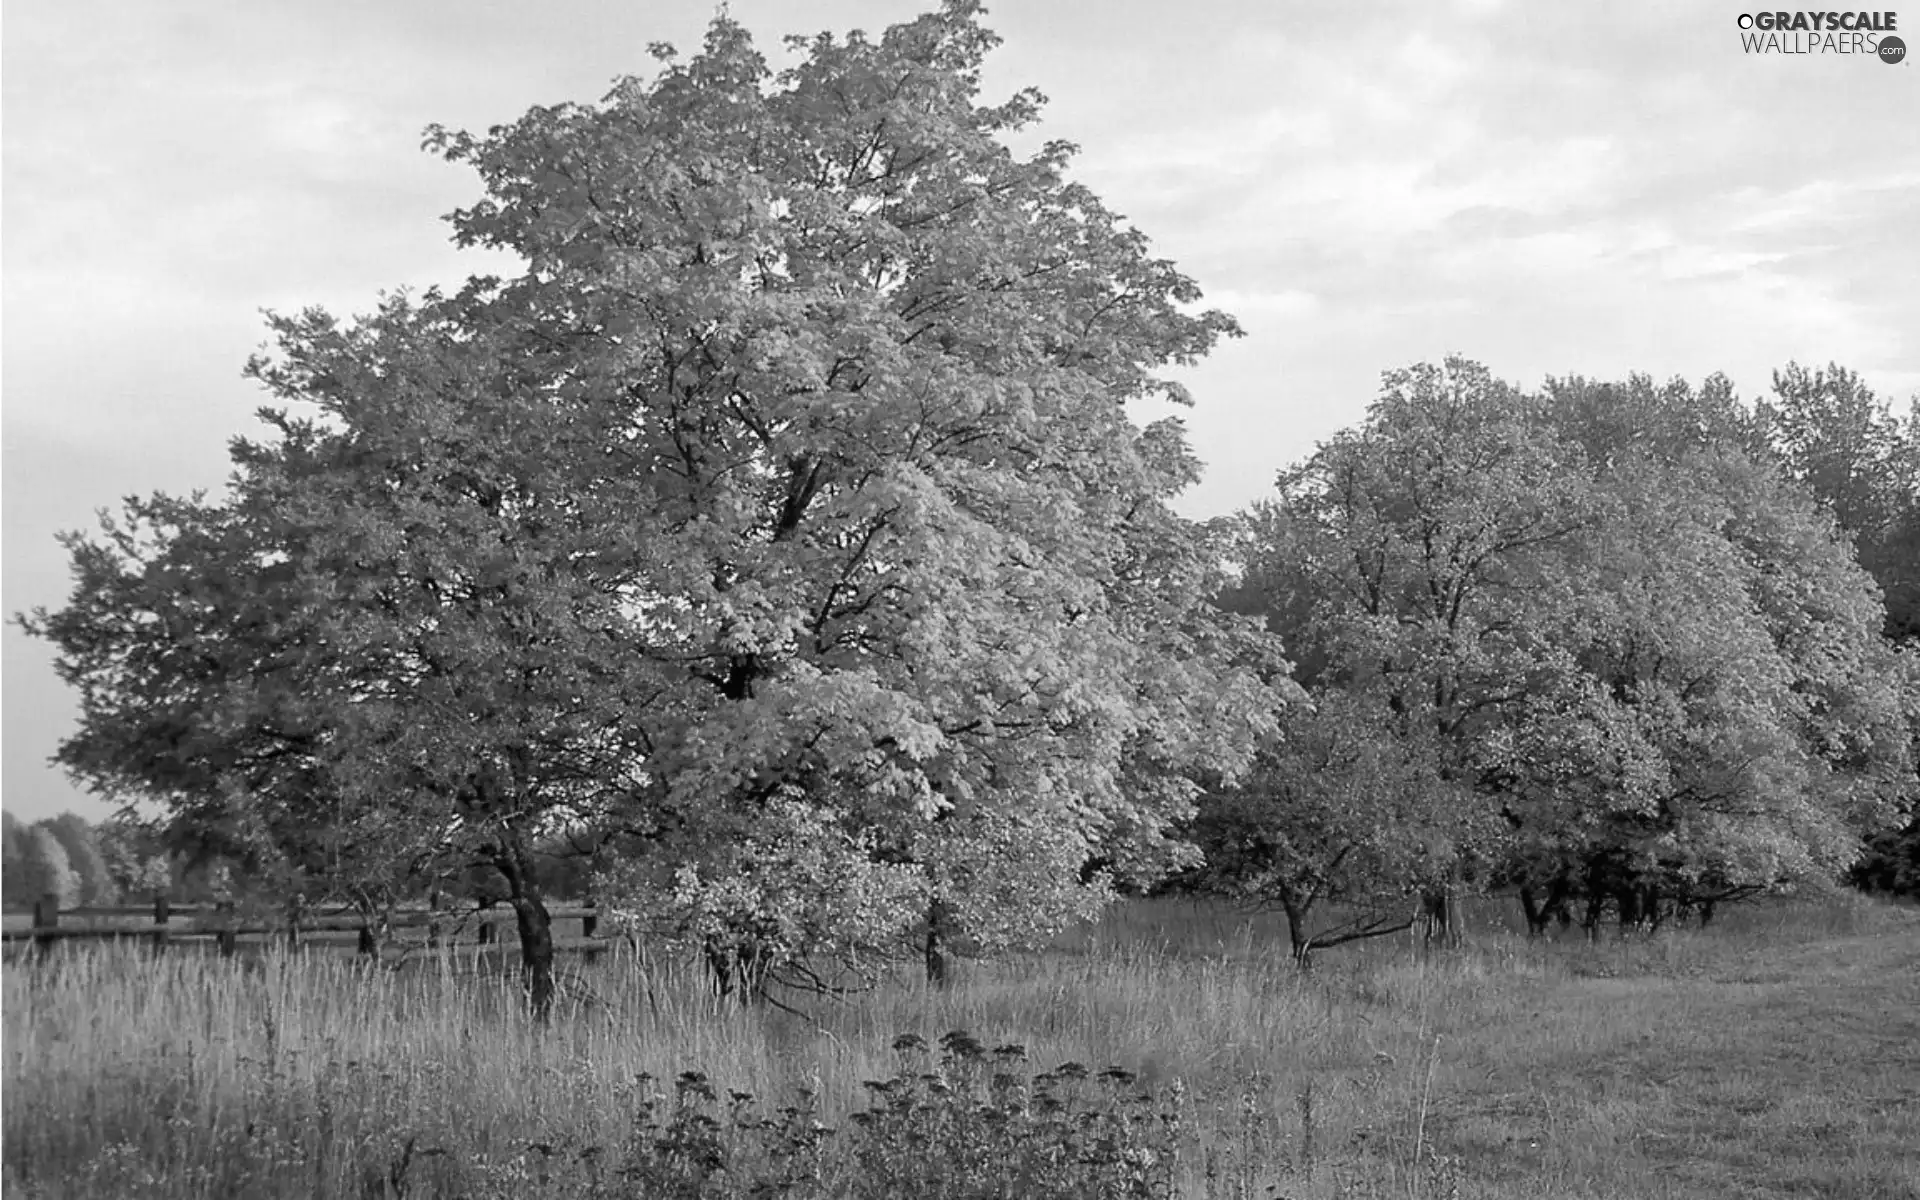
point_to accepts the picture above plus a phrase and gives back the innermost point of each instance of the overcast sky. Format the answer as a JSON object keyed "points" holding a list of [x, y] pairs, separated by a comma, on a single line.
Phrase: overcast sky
{"points": [[1567, 188]]}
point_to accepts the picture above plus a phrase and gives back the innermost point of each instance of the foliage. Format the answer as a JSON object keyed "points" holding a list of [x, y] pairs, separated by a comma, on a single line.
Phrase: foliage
{"points": [[795, 886], [920, 562], [1737, 723], [976, 1125], [1346, 810], [792, 485], [45, 870], [1403, 564], [970, 1126], [1845, 445], [1783, 647], [1623, 627], [13, 873], [134, 856], [1891, 864], [93, 881], [82, 845]]}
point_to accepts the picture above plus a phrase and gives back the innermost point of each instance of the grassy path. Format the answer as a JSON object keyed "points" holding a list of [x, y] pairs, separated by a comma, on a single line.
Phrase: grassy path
{"points": [[1793, 1073]]}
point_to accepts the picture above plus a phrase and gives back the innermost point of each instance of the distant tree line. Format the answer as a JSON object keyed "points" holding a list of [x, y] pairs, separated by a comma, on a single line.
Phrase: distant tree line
{"points": [[124, 861], [69, 859]]}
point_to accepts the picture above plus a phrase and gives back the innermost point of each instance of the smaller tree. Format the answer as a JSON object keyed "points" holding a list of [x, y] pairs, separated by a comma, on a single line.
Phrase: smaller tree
{"points": [[796, 467], [82, 845], [135, 856], [1347, 810], [47, 870], [15, 869], [1833, 435], [793, 895]]}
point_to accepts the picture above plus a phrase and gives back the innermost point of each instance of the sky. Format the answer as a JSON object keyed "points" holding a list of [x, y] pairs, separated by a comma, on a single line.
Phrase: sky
{"points": [[1559, 189]]}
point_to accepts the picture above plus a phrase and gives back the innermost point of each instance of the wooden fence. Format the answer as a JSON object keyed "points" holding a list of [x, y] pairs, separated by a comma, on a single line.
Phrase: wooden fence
{"points": [[166, 924]]}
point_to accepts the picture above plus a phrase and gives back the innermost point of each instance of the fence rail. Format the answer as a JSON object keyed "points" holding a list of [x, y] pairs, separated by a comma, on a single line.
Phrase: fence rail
{"points": [[165, 923]]}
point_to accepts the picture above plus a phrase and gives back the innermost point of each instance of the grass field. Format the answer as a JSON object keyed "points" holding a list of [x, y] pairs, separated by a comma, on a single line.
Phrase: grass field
{"points": [[1777, 1054]]}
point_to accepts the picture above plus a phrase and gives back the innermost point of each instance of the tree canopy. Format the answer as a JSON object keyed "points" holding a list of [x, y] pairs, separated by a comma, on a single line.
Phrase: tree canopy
{"points": [[787, 502], [1634, 637], [1846, 445]]}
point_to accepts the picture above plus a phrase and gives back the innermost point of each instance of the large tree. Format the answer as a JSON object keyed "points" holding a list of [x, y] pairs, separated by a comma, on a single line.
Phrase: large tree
{"points": [[1830, 433], [788, 497], [1627, 631], [1405, 563], [1731, 721]]}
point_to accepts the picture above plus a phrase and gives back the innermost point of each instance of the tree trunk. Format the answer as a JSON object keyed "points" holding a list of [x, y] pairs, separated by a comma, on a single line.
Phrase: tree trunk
{"points": [[1559, 892], [1628, 898], [737, 970], [373, 924], [1536, 913], [1441, 907], [939, 930], [536, 951], [1598, 885], [1596, 905], [719, 958], [1299, 940], [534, 923]]}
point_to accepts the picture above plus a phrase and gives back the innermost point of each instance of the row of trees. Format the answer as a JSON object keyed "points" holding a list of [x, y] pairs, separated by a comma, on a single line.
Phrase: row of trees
{"points": [[1603, 643], [118, 861], [126, 860], [777, 546], [61, 856]]}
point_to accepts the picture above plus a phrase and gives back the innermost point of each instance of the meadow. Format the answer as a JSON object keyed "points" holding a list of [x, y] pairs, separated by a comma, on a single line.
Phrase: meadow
{"points": [[1774, 1054]]}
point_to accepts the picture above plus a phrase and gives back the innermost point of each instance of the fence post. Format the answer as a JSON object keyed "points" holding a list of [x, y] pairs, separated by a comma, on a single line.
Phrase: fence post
{"points": [[294, 907], [229, 939], [590, 923], [486, 923], [162, 913], [46, 916]]}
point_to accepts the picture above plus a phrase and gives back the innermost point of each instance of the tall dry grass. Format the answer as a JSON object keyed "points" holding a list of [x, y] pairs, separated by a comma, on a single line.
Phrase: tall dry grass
{"points": [[130, 1074]]}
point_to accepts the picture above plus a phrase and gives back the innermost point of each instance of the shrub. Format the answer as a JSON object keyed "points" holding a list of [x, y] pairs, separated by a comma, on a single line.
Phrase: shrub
{"points": [[971, 1125]]}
